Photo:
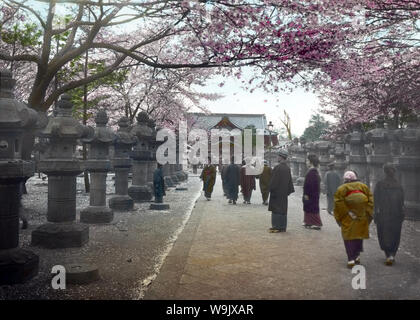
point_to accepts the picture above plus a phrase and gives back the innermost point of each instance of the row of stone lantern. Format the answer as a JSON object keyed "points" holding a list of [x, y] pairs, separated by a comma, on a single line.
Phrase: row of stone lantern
{"points": [[62, 133], [366, 153]]}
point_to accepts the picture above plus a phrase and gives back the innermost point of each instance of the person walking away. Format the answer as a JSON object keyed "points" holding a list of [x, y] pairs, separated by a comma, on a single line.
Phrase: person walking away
{"points": [[247, 182], [353, 211], [264, 179], [208, 175], [158, 184], [311, 191], [389, 212], [332, 182], [281, 186], [223, 176], [232, 181]]}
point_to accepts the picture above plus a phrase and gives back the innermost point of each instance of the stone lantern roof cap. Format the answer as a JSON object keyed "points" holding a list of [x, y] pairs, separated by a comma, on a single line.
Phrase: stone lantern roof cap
{"points": [[65, 102], [123, 135], [13, 113], [142, 129], [101, 132], [64, 125], [7, 83]]}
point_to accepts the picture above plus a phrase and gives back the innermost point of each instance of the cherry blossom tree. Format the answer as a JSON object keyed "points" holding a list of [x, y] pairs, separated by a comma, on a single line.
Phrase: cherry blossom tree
{"points": [[280, 39]]}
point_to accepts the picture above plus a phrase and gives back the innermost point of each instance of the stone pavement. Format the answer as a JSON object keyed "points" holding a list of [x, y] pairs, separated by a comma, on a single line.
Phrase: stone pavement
{"points": [[226, 252]]}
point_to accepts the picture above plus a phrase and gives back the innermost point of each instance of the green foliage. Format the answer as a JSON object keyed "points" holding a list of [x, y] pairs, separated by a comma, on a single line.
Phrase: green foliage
{"points": [[77, 94], [316, 128], [25, 35]]}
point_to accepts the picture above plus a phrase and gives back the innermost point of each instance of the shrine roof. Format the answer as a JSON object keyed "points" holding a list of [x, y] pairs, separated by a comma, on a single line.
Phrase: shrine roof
{"points": [[239, 120]]}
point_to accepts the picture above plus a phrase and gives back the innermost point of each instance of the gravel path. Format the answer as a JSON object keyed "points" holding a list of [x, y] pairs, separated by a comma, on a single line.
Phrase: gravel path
{"points": [[129, 251]]}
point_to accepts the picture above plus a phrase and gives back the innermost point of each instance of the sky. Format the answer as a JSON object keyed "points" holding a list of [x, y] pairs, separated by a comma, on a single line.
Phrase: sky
{"points": [[300, 105]]}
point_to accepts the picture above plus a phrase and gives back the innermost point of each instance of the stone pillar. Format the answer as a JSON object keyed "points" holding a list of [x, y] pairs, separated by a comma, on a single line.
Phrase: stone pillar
{"points": [[62, 167], [16, 265], [98, 165], [340, 155], [139, 190], [121, 162], [357, 157], [408, 163], [301, 160], [379, 138]]}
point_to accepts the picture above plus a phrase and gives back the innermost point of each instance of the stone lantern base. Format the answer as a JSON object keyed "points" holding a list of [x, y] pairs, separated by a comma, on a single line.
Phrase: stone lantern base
{"points": [[94, 214], [121, 203], [159, 206], [61, 235], [140, 193], [17, 266]]}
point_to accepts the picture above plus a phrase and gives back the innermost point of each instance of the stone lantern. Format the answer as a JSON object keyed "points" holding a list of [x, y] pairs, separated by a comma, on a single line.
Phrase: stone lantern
{"points": [[139, 190], [381, 151], [357, 157], [16, 265], [408, 163], [98, 165], [340, 155], [122, 163], [62, 167], [301, 160]]}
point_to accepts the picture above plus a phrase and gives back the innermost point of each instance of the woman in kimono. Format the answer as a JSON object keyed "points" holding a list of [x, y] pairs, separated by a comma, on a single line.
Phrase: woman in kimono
{"points": [[389, 213], [264, 178], [208, 175], [247, 182], [311, 191], [353, 212]]}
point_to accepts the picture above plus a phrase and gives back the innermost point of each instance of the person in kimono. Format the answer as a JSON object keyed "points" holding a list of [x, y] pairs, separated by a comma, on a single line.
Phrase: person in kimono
{"points": [[208, 175], [264, 179], [223, 176], [332, 182], [311, 192], [158, 184], [389, 212], [281, 186], [247, 181], [232, 181], [353, 211]]}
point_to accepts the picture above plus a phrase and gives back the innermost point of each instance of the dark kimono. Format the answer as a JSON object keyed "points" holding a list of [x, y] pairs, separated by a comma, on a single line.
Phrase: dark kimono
{"points": [[281, 186], [208, 175], [312, 189], [332, 182], [223, 176], [232, 181], [247, 184], [389, 214], [158, 185], [264, 178]]}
